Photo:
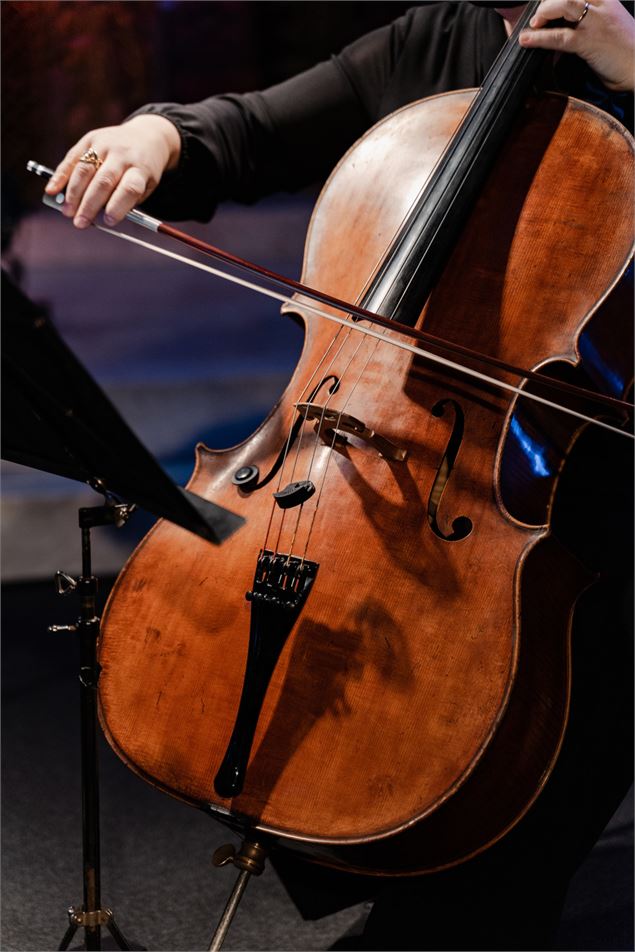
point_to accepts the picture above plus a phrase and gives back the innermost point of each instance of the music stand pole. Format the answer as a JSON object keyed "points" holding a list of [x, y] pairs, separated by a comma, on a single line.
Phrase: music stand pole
{"points": [[90, 915]]}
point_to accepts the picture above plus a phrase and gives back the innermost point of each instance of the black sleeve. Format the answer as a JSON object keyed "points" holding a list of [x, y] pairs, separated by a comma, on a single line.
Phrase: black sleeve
{"points": [[243, 147]]}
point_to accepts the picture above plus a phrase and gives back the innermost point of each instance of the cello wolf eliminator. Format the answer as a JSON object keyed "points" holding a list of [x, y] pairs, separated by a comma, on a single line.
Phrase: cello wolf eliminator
{"points": [[392, 694]]}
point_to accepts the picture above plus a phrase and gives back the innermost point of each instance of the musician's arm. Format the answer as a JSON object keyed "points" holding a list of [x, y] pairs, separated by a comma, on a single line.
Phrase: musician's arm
{"points": [[188, 158], [232, 146]]}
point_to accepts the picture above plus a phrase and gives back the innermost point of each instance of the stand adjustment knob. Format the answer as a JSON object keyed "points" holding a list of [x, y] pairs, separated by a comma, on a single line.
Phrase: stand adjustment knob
{"points": [[64, 583], [223, 855], [54, 629], [250, 857]]}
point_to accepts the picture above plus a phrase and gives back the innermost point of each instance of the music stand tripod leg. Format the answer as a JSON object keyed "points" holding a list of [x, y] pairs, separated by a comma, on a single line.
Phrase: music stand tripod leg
{"points": [[70, 932], [90, 916]]}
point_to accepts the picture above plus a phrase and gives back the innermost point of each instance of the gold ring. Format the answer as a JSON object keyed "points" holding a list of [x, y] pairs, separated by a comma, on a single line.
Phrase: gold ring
{"points": [[90, 157], [584, 13]]}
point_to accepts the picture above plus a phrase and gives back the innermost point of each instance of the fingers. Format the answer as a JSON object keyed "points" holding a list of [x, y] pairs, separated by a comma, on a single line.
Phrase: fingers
{"points": [[132, 189], [562, 39], [87, 185], [63, 171], [550, 10], [89, 189], [113, 187]]}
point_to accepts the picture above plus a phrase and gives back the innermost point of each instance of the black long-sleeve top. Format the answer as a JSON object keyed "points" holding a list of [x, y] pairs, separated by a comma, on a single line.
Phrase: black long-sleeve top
{"points": [[245, 146]]}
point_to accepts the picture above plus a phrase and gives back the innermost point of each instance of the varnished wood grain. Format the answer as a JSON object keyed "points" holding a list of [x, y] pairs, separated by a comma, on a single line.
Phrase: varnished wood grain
{"points": [[422, 678]]}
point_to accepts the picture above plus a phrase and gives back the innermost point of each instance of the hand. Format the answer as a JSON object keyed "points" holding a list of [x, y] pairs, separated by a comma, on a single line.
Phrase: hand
{"points": [[134, 157], [604, 37]]}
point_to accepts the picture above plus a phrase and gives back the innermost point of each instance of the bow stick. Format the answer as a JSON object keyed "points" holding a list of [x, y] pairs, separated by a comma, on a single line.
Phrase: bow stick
{"points": [[155, 225]]}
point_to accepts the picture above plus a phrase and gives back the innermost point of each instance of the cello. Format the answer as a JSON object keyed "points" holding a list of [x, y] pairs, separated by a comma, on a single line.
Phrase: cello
{"points": [[392, 694]]}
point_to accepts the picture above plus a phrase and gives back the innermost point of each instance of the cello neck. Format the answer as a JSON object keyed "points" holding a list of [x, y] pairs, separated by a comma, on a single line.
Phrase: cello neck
{"points": [[421, 248]]}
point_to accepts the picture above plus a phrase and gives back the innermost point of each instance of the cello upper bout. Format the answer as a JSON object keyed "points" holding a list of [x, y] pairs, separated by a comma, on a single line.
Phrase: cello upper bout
{"points": [[360, 194]]}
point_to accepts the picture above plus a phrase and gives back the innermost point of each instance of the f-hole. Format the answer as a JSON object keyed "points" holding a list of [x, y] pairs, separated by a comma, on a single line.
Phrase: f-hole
{"points": [[461, 526], [295, 429]]}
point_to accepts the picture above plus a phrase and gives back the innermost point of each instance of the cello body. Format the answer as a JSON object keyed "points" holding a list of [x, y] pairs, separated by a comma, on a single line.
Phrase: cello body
{"points": [[420, 697]]}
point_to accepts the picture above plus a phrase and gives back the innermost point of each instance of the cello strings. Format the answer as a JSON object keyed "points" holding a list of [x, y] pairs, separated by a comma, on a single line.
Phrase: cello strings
{"points": [[331, 394], [330, 447], [301, 435], [290, 434], [318, 438], [318, 429]]}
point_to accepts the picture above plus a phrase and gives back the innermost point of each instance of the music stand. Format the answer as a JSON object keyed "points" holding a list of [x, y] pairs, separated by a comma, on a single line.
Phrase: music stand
{"points": [[57, 419]]}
